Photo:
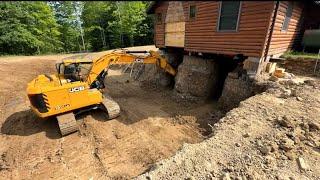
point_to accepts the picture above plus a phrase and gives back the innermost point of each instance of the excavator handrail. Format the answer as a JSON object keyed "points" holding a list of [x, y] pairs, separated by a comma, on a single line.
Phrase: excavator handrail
{"points": [[133, 52]]}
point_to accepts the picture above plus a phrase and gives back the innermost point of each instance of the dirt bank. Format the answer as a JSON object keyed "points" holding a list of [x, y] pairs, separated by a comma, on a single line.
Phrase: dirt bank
{"points": [[273, 135]]}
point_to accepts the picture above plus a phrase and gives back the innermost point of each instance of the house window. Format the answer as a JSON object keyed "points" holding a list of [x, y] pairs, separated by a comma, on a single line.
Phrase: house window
{"points": [[192, 11], [159, 18], [229, 15], [286, 21]]}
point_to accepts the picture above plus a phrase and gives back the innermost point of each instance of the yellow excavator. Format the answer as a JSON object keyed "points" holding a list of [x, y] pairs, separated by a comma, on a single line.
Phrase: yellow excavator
{"points": [[78, 86]]}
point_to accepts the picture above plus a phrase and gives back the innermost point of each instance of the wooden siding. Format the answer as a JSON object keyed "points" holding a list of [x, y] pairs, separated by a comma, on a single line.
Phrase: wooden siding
{"points": [[202, 36], [175, 25], [201, 33], [160, 28], [282, 41]]}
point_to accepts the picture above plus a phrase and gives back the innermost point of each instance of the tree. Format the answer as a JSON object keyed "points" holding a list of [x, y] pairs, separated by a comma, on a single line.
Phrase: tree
{"points": [[27, 28], [66, 15], [64, 26], [129, 17], [95, 17], [145, 30], [117, 24]]}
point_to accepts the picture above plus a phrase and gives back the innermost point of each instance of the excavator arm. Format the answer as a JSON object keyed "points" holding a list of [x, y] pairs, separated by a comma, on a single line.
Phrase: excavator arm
{"points": [[127, 57]]}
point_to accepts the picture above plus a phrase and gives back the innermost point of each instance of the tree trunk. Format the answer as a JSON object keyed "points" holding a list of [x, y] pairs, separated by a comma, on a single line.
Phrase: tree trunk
{"points": [[78, 44], [104, 39], [131, 40], [38, 49], [84, 47], [108, 41], [121, 40]]}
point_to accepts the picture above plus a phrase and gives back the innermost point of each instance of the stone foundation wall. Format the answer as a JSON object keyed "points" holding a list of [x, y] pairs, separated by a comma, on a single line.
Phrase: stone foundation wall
{"points": [[234, 91], [238, 87], [196, 77], [300, 66], [155, 76]]}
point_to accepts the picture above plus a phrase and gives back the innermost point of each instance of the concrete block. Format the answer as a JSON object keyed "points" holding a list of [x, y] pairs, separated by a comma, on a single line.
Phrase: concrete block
{"points": [[279, 72], [271, 67]]}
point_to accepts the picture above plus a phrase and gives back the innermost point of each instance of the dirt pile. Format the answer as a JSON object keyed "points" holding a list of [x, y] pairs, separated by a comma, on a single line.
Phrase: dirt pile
{"points": [[273, 135]]}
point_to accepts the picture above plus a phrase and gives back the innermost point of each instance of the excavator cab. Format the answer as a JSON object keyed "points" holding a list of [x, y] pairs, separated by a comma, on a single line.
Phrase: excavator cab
{"points": [[74, 71]]}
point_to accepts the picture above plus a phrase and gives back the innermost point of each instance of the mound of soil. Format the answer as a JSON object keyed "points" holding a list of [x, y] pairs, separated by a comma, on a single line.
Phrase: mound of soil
{"points": [[273, 135]]}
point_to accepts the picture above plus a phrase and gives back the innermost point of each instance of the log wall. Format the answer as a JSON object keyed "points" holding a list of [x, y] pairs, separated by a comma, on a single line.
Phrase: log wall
{"points": [[201, 34], [159, 33], [282, 41]]}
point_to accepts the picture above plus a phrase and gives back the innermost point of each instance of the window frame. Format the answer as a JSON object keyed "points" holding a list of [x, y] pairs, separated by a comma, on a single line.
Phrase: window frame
{"points": [[157, 15], [285, 30], [238, 19], [195, 13]]}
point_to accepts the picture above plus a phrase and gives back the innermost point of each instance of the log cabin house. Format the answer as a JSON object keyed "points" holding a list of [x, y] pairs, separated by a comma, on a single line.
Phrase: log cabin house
{"points": [[257, 30]]}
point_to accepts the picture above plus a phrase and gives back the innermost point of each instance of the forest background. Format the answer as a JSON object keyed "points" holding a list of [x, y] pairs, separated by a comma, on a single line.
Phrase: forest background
{"points": [[29, 28]]}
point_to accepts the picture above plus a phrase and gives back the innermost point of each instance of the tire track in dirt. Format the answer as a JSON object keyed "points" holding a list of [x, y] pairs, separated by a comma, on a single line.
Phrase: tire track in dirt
{"points": [[87, 131]]}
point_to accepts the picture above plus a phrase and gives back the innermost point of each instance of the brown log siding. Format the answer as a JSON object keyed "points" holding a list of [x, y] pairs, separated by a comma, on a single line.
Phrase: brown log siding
{"points": [[254, 26], [282, 41], [202, 35], [160, 28]]}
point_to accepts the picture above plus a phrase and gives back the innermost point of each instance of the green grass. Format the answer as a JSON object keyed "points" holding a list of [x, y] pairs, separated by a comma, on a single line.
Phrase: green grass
{"points": [[295, 54]]}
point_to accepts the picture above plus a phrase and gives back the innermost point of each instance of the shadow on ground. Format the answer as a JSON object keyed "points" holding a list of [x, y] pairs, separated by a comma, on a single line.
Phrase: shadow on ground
{"points": [[26, 123]]}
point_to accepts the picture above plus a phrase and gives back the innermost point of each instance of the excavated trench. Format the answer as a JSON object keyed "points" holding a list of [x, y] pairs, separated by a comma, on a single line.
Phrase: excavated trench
{"points": [[227, 83], [230, 81]]}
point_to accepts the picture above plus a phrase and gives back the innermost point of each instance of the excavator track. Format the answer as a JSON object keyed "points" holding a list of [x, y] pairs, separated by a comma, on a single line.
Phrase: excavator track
{"points": [[111, 107], [67, 123]]}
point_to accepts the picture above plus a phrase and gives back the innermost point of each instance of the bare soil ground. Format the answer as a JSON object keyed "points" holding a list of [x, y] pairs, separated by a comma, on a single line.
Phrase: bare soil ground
{"points": [[152, 126], [273, 135]]}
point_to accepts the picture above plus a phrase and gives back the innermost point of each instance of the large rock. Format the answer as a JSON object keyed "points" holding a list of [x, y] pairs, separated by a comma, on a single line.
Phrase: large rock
{"points": [[234, 91], [239, 88], [196, 77]]}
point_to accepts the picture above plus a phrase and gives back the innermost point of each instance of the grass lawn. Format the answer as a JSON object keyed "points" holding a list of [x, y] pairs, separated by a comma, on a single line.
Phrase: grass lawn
{"points": [[295, 54]]}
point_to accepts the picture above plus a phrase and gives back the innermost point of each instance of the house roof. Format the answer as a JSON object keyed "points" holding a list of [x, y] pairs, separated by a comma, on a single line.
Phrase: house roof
{"points": [[152, 6]]}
